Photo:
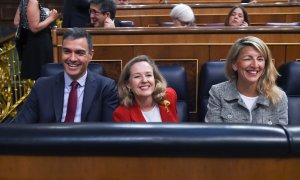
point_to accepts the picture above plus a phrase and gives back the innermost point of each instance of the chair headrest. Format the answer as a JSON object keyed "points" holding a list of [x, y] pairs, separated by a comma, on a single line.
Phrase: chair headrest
{"points": [[289, 79], [211, 73], [176, 78]]}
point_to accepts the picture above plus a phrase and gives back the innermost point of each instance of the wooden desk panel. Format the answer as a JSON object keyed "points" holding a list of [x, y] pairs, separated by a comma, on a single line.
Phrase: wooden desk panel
{"points": [[165, 10], [147, 168], [115, 47], [201, 20], [197, 1]]}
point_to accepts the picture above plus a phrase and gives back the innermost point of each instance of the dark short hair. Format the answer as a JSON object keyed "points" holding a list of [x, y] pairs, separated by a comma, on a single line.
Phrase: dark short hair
{"points": [[77, 33], [106, 6]]}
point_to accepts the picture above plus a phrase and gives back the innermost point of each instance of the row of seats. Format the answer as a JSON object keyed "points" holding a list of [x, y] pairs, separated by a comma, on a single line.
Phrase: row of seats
{"points": [[170, 24], [156, 139], [211, 73]]}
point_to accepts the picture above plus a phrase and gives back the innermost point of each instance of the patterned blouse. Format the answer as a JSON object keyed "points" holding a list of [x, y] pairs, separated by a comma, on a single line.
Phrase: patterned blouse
{"points": [[23, 10]]}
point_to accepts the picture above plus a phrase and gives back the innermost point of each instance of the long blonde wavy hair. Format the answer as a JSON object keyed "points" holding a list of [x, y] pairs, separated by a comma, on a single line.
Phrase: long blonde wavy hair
{"points": [[267, 82]]}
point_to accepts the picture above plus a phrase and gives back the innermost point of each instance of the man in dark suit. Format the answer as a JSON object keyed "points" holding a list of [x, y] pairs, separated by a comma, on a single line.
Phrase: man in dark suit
{"points": [[76, 13], [102, 14], [96, 95]]}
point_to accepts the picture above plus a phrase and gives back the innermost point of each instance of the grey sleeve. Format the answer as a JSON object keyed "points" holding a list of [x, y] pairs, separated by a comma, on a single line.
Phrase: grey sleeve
{"points": [[213, 114]]}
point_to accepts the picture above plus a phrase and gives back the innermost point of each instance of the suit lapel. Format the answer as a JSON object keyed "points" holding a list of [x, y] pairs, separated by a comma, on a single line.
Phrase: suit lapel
{"points": [[58, 94], [136, 113], [89, 94]]}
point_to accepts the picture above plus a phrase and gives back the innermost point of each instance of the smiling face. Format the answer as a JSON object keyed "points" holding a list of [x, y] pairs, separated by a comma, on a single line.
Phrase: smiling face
{"points": [[75, 57], [249, 66], [96, 16], [236, 17], [141, 80]]}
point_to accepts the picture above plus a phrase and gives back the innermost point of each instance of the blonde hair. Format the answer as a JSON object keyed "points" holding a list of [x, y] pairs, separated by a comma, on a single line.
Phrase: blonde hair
{"points": [[126, 96], [267, 81]]}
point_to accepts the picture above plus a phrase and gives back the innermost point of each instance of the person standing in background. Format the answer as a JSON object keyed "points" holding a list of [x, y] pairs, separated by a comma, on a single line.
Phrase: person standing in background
{"points": [[76, 13], [37, 47]]}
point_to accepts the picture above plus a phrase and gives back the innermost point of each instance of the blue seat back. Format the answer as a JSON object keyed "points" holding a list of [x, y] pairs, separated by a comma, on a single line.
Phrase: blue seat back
{"points": [[176, 78], [290, 83], [211, 73]]}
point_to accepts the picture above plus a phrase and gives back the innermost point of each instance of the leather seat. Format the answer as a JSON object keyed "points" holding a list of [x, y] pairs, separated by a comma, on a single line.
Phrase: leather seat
{"points": [[211, 73], [282, 24], [126, 24], [176, 78], [55, 68], [289, 82]]}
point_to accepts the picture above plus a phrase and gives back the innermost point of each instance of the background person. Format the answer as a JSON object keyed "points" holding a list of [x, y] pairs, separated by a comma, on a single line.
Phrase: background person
{"points": [[37, 47], [48, 101], [143, 93], [251, 94], [76, 13], [102, 14], [183, 15], [237, 16]]}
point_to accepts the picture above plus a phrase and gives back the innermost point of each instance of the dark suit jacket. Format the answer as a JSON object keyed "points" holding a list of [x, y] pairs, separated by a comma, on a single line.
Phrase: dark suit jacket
{"points": [[45, 101], [76, 13], [134, 114]]}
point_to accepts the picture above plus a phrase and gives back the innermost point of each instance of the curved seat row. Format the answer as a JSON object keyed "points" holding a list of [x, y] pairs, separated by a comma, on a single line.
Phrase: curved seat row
{"points": [[123, 139], [212, 72]]}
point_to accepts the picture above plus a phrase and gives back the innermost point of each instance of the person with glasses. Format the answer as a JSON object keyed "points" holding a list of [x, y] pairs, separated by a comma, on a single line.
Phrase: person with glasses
{"points": [[102, 14], [75, 95]]}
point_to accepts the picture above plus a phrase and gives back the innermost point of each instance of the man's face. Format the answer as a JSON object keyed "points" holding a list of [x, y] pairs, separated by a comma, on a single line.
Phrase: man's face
{"points": [[96, 16], [76, 57]]}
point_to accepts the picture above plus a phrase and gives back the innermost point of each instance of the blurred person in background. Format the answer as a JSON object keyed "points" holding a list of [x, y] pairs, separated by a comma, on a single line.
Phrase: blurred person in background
{"points": [[237, 16], [76, 13], [36, 48], [183, 15]]}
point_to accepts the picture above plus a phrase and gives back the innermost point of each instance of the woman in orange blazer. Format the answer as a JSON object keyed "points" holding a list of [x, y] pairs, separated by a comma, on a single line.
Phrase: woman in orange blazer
{"points": [[144, 94]]}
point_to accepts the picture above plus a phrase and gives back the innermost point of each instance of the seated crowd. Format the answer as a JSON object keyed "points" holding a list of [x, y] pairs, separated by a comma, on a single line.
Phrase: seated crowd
{"points": [[141, 95]]}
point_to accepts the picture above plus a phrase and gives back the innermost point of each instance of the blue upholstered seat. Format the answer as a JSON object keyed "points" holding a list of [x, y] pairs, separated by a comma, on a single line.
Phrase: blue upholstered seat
{"points": [[176, 78], [290, 83], [126, 24], [55, 68], [211, 73]]}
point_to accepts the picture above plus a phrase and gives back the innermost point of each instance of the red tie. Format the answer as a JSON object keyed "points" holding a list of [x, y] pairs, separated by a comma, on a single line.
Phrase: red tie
{"points": [[72, 103]]}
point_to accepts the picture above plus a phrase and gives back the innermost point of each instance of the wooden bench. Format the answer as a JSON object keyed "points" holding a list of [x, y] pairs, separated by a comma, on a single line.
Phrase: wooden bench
{"points": [[204, 19]]}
